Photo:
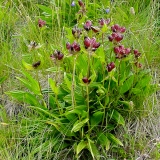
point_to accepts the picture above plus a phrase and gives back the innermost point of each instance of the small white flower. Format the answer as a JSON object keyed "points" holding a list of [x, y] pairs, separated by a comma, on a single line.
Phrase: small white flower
{"points": [[132, 11]]}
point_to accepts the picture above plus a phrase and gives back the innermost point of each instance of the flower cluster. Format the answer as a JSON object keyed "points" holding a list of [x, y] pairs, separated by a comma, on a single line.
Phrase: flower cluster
{"points": [[37, 64], [121, 51], [110, 66], [102, 21], [81, 4], [86, 80], [73, 48], [41, 23], [57, 55], [117, 35], [76, 32], [91, 44], [87, 25], [82, 7], [136, 53]]}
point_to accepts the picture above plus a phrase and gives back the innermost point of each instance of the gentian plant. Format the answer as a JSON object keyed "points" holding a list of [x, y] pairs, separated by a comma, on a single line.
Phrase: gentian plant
{"points": [[102, 83]]}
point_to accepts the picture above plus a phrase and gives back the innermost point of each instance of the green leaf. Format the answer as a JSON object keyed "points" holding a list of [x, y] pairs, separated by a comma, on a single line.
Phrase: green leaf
{"points": [[30, 83], [27, 65], [78, 125], [78, 110], [101, 54], [45, 9], [112, 138], [78, 97], [44, 111], [104, 141], [53, 86], [136, 91], [104, 28], [67, 82], [24, 97], [54, 69], [82, 64], [2, 79], [96, 118], [126, 85], [93, 149], [81, 146], [143, 82], [117, 117], [64, 129]]}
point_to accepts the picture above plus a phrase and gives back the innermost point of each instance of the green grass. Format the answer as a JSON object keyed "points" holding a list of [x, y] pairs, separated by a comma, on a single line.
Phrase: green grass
{"points": [[24, 135]]}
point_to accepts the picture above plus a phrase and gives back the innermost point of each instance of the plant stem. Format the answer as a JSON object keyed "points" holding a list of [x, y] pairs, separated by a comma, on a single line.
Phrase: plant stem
{"points": [[56, 81], [119, 72], [87, 91], [73, 82], [37, 76]]}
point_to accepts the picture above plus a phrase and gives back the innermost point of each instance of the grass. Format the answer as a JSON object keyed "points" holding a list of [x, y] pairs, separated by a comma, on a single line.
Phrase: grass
{"points": [[23, 134]]}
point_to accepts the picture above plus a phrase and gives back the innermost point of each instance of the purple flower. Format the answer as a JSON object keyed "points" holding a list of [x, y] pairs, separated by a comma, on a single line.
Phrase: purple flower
{"points": [[90, 43], [76, 32], [107, 10], [87, 25], [57, 55], [136, 53], [121, 52], [104, 21], [110, 66], [86, 80], [73, 3], [41, 23], [73, 48]]}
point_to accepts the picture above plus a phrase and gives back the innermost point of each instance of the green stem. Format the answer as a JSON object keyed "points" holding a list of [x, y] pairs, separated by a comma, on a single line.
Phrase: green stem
{"points": [[119, 72], [87, 91], [73, 82], [37, 77]]}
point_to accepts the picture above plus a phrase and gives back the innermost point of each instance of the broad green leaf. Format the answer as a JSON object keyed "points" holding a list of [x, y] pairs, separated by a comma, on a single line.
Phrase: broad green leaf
{"points": [[78, 125], [82, 64], [117, 117], [45, 9], [81, 146], [78, 110], [43, 110], [104, 141], [96, 118], [30, 83], [78, 97], [113, 139], [104, 28], [27, 65], [144, 81], [101, 54], [136, 91], [53, 86], [52, 101], [126, 85], [93, 149], [25, 97], [63, 128], [67, 82]]}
